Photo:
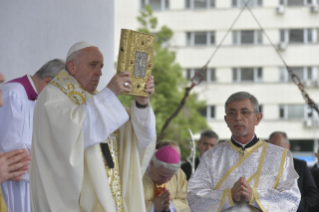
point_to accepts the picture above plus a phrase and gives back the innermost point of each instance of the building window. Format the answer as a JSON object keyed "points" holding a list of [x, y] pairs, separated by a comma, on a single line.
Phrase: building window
{"points": [[156, 4], [299, 35], [245, 37], [296, 3], [200, 38], [305, 74], [208, 76], [208, 112], [247, 74], [199, 4], [298, 112], [251, 3]]}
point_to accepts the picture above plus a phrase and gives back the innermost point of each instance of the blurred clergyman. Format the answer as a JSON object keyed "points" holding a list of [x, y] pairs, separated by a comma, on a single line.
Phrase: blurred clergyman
{"points": [[165, 183], [208, 139], [307, 187], [16, 131], [316, 166]]}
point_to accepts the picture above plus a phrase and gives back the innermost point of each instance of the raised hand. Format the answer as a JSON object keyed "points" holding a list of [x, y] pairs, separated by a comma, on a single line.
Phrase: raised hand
{"points": [[121, 82], [149, 88]]}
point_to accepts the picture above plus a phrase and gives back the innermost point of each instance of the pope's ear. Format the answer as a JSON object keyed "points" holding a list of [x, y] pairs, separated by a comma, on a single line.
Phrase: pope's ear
{"points": [[71, 67]]}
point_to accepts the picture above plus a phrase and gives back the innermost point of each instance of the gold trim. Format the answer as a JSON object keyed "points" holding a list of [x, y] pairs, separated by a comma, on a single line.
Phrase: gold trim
{"points": [[230, 198], [223, 199], [258, 201], [260, 165], [281, 168], [252, 177], [252, 200], [240, 161], [238, 149]]}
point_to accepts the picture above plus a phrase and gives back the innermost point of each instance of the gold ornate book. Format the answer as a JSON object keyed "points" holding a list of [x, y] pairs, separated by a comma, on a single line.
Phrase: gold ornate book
{"points": [[136, 56]]}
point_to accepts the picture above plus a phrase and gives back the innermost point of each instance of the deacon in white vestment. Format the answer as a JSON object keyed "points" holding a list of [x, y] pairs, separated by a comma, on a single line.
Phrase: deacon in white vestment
{"points": [[71, 169], [244, 173], [16, 117]]}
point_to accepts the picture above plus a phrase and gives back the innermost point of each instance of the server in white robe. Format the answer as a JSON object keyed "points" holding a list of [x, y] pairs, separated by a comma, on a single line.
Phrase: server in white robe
{"points": [[244, 173], [71, 169], [16, 117]]}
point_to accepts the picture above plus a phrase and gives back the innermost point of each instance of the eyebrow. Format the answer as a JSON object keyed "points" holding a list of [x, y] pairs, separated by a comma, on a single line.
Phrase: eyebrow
{"points": [[244, 108]]}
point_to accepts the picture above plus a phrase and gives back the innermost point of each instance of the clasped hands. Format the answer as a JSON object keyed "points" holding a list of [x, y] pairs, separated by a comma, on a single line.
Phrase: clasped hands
{"points": [[162, 202], [241, 191], [122, 82]]}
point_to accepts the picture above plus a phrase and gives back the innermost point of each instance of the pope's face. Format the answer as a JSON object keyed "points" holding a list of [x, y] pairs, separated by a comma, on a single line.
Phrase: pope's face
{"points": [[88, 68], [160, 175], [241, 119], [1, 81]]}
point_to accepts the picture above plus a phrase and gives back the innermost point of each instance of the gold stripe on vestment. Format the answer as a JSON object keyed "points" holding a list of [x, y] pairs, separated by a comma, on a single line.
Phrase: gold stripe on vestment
{"points": [[258, 201], [230, 198], [261, 162], [240, 161], [281, 168], [223, 199]]}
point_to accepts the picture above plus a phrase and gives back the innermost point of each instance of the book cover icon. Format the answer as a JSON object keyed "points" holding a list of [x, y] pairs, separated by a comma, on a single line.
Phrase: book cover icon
{"points": [[136, 56]]}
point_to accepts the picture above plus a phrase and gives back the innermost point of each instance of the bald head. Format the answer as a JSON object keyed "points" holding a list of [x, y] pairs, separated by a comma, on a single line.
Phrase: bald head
{"points": [[279, 139]]}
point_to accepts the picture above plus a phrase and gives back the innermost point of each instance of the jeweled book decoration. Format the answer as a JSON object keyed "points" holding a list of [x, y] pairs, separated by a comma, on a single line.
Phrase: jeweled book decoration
{"points": [[136, 56]]}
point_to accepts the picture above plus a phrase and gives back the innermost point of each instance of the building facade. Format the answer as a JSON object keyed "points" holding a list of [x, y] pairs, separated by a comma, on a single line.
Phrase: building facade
{"points": [[246, 60]]}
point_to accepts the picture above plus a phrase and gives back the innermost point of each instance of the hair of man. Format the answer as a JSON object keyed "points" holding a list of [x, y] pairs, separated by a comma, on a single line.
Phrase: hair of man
{"points": [[279, 133], [173, 167], [73, 57], [50, 69], [209, 134], [240, 96]]}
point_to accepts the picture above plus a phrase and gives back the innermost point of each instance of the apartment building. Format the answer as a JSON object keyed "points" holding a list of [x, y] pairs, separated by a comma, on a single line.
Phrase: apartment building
{"points": [[246, 61]]}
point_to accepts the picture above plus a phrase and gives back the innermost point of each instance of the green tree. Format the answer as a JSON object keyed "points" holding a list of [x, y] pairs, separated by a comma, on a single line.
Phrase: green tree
{"points": [[168, 93]]}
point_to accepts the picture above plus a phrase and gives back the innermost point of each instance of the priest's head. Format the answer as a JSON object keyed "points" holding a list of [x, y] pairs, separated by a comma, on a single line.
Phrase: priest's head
{"points": [[164, 164], [242, 115], [280, 139], [46, 73], [1, 81], [208, 139], [85, 62], [170, 143]]}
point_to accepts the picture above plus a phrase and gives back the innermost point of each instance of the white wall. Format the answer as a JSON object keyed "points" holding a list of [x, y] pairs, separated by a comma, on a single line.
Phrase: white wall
{"points": [[34, 32]]}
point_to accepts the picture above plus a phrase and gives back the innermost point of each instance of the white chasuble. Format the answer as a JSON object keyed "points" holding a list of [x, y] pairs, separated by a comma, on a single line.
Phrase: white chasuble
{"points": [[68, 170], [268, 169]]}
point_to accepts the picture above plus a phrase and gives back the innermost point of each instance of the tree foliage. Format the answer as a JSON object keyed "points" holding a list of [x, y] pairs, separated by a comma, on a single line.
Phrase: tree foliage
{"points": [[169, 84]]}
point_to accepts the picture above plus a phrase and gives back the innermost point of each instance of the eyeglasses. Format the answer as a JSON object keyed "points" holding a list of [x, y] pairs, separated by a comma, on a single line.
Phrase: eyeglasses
{"points": [[233, 113]]}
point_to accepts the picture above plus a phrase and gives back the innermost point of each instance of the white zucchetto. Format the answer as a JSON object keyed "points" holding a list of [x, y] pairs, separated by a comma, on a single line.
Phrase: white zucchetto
{"points": [[78, 46]]}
